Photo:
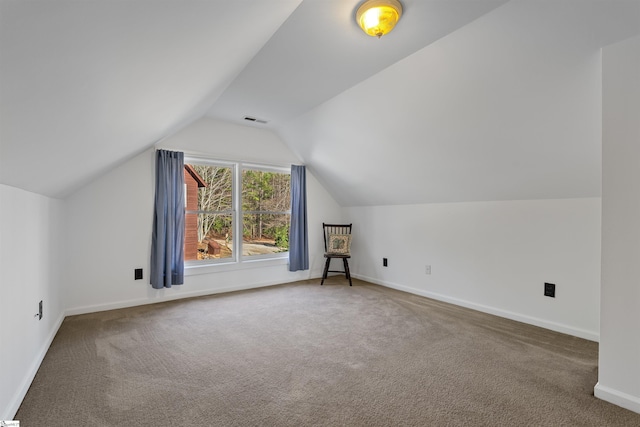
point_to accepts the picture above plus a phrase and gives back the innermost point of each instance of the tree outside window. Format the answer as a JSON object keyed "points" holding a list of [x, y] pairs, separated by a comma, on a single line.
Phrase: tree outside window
{"points": [[266, 207], [263, 203]]}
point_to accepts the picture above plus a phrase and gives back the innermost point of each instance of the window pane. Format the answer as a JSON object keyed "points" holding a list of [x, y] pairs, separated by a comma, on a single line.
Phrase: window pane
{"points": [[265, 233], [265, 191], [208, 236], [214, 187]]}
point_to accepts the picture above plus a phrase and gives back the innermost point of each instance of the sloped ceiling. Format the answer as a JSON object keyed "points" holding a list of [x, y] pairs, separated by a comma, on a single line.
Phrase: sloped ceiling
{"points": [[506, 108], [320, 52], [464, 100], [85, 85]]}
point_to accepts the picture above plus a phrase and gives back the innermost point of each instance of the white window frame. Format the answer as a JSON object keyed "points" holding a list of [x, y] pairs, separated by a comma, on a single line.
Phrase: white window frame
{"points": [[263, 168], [237, 260]]}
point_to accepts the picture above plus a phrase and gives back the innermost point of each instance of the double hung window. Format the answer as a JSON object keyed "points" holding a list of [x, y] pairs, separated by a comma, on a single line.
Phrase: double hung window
{"points": [[235, 212]]}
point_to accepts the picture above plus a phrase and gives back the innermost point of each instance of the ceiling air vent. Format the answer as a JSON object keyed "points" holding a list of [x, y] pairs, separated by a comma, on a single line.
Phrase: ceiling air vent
{"points": [[253, 119]]}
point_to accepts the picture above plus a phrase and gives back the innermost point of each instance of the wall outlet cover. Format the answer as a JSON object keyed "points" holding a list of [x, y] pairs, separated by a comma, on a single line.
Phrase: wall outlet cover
{"points": [[550, 290], [137, 274]]}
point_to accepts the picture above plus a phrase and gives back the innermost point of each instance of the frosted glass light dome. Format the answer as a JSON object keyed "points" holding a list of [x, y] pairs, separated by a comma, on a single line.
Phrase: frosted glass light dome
{"points": [[378, 17]]}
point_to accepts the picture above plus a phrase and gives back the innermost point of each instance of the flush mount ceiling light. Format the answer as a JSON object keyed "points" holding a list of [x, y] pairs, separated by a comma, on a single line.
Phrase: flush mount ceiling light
{"points": [[378, 17]]}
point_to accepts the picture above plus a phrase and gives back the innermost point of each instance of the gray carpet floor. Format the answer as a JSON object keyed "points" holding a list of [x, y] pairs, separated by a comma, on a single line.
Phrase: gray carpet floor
{"points": [[304, 355]]}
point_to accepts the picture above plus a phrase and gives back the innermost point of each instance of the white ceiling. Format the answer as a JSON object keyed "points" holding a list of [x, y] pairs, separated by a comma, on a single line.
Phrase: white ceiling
{"points": [[464, 100], [506, 108], [320, 52], [85, 85]]}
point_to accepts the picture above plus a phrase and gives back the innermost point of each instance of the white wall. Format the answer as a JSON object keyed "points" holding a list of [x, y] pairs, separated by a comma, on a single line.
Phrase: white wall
{"points": [[108, 228], [505, 108], [619, 370], [30, 236], [490, 256], [109, 224]]}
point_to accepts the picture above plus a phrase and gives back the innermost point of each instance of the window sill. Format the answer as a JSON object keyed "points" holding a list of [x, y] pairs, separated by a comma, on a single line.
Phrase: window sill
{"points": [[203, 268]]}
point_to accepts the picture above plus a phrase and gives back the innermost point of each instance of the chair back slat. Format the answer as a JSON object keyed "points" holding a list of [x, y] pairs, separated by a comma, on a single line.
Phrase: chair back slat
{"points": [[334, 229]]}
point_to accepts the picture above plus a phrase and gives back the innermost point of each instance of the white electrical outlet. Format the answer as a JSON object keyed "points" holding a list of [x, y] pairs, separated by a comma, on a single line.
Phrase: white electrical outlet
{"points": [[427, 269]]}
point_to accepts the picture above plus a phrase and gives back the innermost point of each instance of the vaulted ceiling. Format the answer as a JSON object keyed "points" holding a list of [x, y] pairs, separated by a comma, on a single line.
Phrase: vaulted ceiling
{"points": [[464, 100]]}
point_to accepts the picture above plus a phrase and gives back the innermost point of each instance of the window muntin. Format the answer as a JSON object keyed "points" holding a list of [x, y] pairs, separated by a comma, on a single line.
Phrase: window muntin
{"points": [[241, 212]]}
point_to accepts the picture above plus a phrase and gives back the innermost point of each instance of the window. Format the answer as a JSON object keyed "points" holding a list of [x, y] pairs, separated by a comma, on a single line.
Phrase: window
{"points": [[266, 212], [235, 212], [209, 213]]}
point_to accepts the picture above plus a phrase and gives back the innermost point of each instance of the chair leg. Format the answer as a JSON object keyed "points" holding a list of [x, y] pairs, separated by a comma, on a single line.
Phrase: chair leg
{"points": [[326, 270], [346, 270]]}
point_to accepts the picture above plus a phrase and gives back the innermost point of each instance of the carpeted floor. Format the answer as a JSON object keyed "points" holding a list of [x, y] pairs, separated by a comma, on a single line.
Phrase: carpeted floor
{"points": [[305, 355]]}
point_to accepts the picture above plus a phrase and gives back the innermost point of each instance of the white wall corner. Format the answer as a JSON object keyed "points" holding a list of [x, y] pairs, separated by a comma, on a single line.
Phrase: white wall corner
{"points": [[11, 410], [618, 398]]}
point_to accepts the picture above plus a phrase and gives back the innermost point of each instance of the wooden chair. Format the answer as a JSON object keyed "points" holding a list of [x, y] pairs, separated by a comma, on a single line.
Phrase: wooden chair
{"points": [[337, 244]]}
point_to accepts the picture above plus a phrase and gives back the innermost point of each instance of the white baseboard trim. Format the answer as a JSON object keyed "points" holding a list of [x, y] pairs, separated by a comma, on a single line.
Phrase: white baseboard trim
{"points": [[557, 327], [14, 405], [618, 398], [145, 301], [604, 393]]}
